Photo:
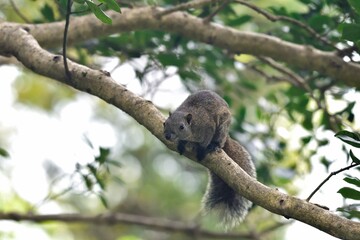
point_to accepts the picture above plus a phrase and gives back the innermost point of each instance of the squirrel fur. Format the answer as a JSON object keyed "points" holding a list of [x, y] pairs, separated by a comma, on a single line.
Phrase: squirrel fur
{"points": [[202, 122]]}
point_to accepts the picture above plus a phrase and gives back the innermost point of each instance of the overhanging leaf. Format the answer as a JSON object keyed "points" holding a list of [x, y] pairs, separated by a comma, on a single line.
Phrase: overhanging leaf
{"points": [[99, 13], [355, 4], [113, 5], [354, 158], [350, 193], [351, 138], [350, 31], [352, 180], [4, 153]]}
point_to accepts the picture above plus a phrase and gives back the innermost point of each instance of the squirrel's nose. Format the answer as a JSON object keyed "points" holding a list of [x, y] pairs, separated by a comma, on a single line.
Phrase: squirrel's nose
{"points": [[168, 136]]}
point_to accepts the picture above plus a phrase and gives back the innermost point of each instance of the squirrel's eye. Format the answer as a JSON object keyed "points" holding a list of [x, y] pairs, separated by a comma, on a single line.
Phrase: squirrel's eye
{"points": [[181, 127]]}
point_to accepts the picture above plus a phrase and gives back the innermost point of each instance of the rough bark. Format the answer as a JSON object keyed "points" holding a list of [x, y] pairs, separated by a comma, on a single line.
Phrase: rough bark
{"points": [[303, 57], [18, 42]]}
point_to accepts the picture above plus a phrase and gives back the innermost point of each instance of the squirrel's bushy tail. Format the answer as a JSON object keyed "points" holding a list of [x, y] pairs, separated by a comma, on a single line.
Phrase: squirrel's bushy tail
{"points": [[231, 207]]}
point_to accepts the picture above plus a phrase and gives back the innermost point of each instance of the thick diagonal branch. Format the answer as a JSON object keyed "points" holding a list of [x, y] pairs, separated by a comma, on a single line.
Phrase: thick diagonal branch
{"points": [[304, 57]]}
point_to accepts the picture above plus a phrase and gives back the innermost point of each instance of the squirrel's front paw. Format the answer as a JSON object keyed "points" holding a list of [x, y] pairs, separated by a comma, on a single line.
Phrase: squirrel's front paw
{"points": [[213, 147]]}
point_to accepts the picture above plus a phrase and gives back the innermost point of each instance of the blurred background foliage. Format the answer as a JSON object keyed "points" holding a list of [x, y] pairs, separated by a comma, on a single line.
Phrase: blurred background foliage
{"points": [[276, 116]]}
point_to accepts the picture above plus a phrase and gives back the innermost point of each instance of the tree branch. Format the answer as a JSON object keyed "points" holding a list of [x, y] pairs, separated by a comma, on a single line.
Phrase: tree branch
{"points": [[275, 18], [352, 165], [186, 6], [304, 57], [129, 219], [19, 43], [153, 223]]}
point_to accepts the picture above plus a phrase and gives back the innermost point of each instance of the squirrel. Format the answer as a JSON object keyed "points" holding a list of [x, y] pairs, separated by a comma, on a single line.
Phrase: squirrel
{"points": [[202, 121]]}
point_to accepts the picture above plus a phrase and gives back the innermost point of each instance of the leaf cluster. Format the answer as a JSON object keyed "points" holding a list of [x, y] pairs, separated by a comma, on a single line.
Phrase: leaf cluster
{"points": [[353, 192]]}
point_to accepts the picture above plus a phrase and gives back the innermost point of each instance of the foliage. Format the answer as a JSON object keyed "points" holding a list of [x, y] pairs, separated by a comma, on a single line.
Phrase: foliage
{"points": [[278, 110], [353, 192]]}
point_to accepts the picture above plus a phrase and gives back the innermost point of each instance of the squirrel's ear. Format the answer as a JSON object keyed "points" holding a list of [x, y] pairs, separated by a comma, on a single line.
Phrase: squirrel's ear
{"points": [[188, 118], [170, 113]]}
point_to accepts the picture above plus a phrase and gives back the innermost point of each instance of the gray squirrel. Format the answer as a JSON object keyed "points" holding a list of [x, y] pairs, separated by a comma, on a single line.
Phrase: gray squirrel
{"points": [[202, 123]]}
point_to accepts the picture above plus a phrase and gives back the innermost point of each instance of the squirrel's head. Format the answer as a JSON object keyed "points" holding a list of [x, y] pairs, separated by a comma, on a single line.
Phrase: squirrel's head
{"points": [[178, 126]]}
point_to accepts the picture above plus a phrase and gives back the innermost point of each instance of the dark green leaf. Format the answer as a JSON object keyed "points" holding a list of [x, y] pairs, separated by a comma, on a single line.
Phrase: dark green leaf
{"points": [[239, 20], [350, 193], [62, 3], [349, 212], [104, 154], [307, 122], [326, 163], [113, 5], [350, 31], [4, 153], [351, 138], [354, 158], [319, 22], [241, 114], [101, 182], [103, 200], [352, 180], [114, 163], [189, 74], [89, 184], [323, 142], [306, 140], [48, 13], [355, 4], [92, 169], [169, 59], [99, 13]]}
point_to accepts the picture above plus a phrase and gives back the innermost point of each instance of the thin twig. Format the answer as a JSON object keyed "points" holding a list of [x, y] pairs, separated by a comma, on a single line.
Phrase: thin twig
{"points": [[212, 15], [128, 219], [269, 78], [186, 6], [330, 175], [296, 79], [67, 23], [275, 18]]}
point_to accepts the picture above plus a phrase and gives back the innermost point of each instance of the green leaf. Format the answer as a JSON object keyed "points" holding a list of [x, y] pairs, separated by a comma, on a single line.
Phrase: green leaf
{"points": [[62, 3], [170, 59], [355, 4], [350, 31], [103, 200], [4, 153], [349, 212], [326, 163], [354, 158], [239, 20], [104, 154], [113, 5], [48, 13], [89, 184], [352, 180], [99, 13], [189, 74], [92, 169], [351, 138], [350, 193], [114, 163]]}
